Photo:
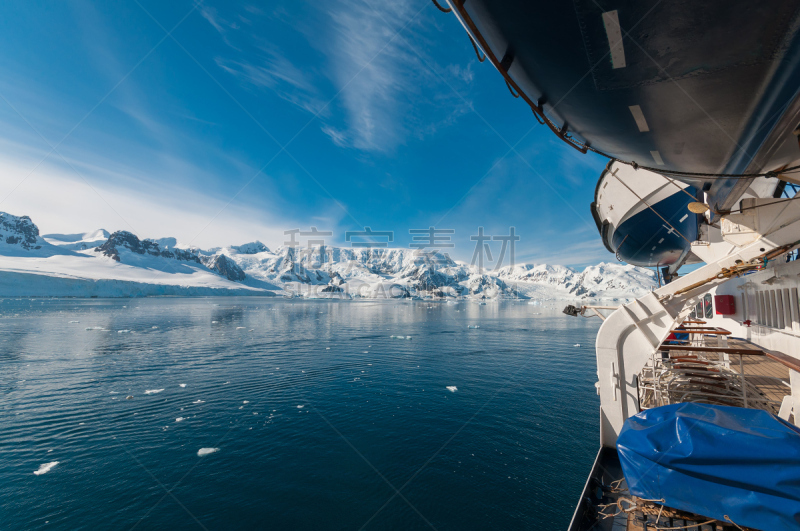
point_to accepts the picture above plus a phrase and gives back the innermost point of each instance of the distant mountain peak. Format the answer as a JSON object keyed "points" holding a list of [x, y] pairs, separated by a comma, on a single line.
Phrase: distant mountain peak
{"points": [[19, 231], [123, 240], [250, 248]]}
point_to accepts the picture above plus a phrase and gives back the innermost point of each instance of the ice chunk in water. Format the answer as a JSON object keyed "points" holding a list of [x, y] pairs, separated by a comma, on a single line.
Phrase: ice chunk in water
{"points": [[182, 385], [300, 407], [452, 388], [152, 391], [205, 451], [45, 468], [180, 419], [245, 401]]}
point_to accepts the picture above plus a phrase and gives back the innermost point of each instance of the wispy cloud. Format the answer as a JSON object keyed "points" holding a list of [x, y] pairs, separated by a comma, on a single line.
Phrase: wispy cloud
{"points": [[273, 71]]}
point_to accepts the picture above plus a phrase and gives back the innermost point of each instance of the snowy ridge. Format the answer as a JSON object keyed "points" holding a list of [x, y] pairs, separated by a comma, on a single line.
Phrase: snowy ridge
{"points": [[401, 273], [99, 264]]}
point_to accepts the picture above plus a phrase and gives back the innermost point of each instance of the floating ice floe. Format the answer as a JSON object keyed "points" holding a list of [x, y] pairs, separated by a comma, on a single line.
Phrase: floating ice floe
{"points": [[152, 391], [45, 468], [205, 451], [452, 388], [180, 419], [182, 385]]}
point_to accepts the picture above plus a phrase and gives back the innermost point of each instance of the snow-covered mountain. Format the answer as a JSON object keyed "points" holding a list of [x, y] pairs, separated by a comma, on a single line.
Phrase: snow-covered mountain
{"points": [[395, 273], [121, 264], [78, 242]]}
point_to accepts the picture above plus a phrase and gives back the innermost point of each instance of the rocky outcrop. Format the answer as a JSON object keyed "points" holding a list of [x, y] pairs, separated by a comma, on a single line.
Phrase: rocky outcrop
{"points": [[19, 230], [225, 267], [123, 239]]}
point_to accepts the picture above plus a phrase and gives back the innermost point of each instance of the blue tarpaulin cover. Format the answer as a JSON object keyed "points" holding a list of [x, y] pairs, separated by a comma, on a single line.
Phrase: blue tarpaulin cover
{"points": [[715, 461]]}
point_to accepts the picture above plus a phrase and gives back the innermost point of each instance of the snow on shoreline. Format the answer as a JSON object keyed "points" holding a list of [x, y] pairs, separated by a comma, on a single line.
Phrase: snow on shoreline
{"points": [[83, 265]]}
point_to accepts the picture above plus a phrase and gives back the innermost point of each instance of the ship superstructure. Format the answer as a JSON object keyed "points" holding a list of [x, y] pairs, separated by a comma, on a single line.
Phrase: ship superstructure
{"points": [[696, 106]]}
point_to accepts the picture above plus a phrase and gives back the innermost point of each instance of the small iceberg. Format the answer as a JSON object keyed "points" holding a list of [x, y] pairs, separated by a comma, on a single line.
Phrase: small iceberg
{"points": [[452, 388], [152, 391], [45, 468], [205, 451]]}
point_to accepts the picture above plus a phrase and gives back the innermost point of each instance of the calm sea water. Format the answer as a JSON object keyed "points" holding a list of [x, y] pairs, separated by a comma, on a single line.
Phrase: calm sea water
{"points": [[318, 415]]}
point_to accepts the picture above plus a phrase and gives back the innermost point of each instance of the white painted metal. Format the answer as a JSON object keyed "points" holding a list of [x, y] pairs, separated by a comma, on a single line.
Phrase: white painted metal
{"points": [[630, 335], [617, 202]]}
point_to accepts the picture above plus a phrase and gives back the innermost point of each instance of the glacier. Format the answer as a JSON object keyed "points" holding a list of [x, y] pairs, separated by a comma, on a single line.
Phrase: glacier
{"points": [[120, 264]]}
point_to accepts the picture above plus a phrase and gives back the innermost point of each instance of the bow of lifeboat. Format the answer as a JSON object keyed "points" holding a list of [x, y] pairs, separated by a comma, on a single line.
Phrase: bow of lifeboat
{"points": [[643, 218]]}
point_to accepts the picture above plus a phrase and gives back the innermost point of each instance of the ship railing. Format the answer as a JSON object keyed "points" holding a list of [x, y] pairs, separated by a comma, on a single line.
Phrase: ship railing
{"points": [[674, 376]]}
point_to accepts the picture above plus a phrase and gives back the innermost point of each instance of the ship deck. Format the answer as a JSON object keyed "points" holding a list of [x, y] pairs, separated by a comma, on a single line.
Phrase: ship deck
{"points": [[710, 368]]}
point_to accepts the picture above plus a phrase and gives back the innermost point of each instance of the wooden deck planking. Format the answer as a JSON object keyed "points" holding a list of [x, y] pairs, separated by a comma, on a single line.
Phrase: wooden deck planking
{"points": [[759, 370]]}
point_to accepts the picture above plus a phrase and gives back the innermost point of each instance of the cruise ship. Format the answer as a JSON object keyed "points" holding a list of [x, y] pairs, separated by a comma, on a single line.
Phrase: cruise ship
{"points": [[695, 107]]}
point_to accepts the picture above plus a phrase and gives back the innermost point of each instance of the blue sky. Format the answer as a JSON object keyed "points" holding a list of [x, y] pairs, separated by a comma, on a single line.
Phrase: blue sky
{"points": [[224, 122]]}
